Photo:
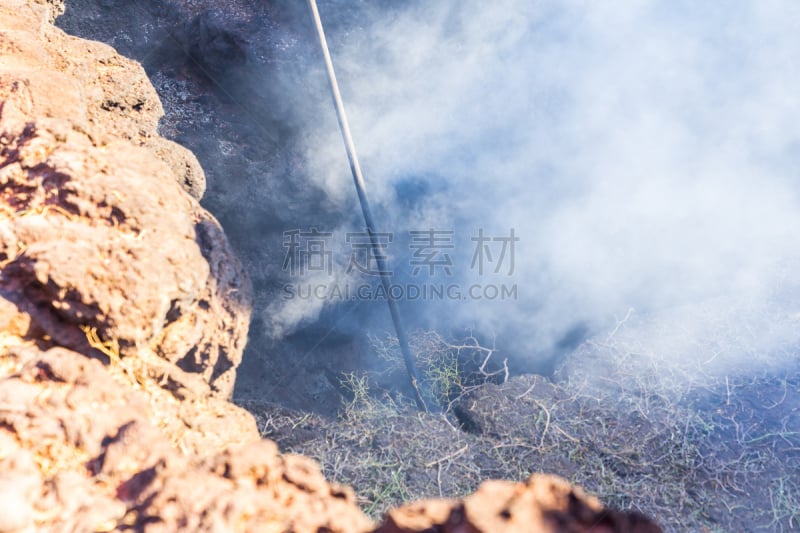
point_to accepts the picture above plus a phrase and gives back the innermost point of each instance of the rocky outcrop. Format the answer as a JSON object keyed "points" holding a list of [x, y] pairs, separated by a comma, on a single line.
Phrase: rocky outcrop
{"points": [[544, 503], [124, 315], [84, 447], [97, 231]]}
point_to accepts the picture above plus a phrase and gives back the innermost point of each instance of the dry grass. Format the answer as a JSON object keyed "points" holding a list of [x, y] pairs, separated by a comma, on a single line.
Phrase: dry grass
{"points": [[701, 454]]}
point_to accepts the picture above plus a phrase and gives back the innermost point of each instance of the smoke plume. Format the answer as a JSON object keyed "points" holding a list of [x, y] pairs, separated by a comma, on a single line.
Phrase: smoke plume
{"points": [[646, 157]]}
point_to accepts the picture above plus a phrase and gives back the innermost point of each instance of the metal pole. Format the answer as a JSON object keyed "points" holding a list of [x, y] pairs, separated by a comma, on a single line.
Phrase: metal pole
{"points": [[361, 189]]}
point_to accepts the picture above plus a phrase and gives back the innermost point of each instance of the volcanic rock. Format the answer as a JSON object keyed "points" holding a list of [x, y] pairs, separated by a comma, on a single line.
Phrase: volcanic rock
{"points": [[543, 504]]}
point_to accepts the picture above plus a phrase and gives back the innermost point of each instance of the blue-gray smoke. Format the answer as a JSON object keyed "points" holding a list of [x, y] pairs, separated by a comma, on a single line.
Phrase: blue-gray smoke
{"points": [[645, 153]]}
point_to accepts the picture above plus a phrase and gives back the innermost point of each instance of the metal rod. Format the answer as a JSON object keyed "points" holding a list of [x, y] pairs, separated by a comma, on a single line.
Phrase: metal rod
{"points": [[361, 189]]}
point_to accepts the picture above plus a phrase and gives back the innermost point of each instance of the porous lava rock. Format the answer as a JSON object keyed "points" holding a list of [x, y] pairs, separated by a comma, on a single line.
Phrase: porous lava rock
{"points": [[97, 231], [544, 504]]}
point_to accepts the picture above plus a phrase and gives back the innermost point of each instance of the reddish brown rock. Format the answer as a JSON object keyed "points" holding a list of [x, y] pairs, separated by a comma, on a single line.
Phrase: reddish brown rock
{"points": [[50, 74], [544, 504], [83, 448], [96, 231], [124, 316]]}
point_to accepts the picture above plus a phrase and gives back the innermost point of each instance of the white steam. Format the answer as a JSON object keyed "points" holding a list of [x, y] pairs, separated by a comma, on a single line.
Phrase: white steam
{"points": [[647, 153]]}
